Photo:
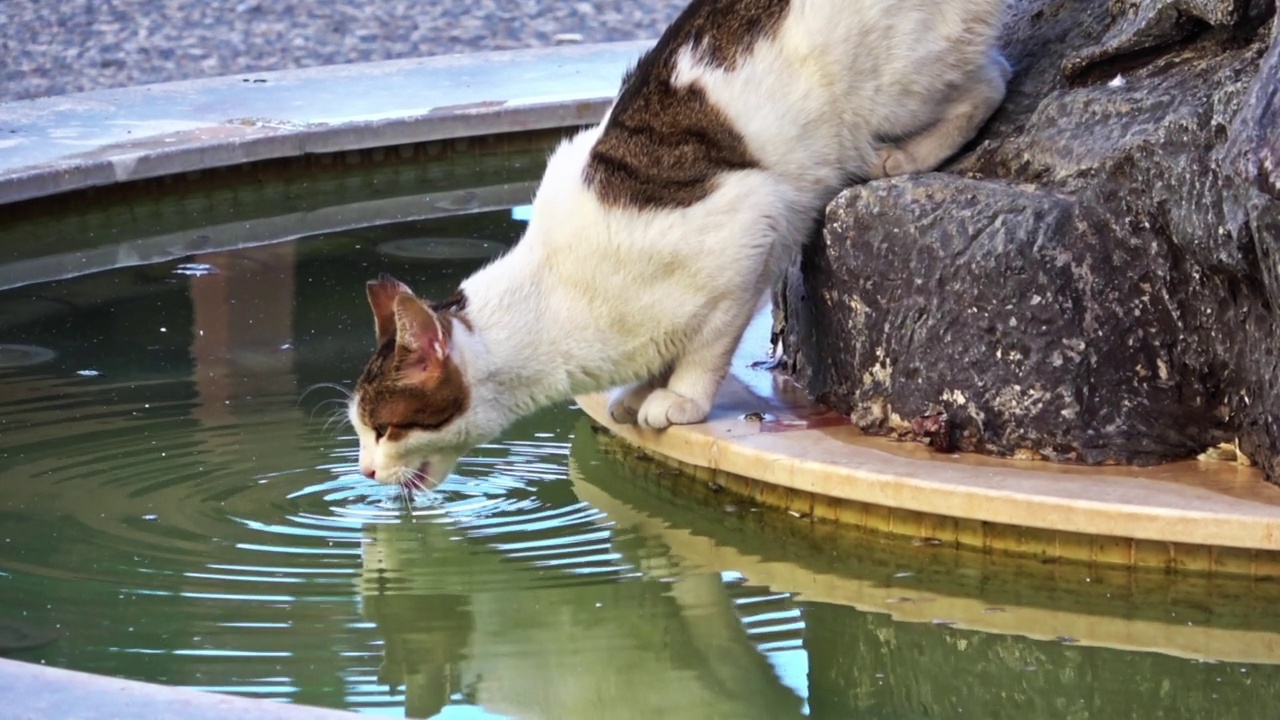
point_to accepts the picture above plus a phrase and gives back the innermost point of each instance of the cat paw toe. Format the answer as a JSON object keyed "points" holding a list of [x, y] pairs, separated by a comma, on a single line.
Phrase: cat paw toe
{"points": [[623, 412], [626, 401], [893, 161], [665, 408]]}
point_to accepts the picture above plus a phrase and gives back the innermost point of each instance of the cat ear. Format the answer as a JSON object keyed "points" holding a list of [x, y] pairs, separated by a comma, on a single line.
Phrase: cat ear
{"points": [[382, 298], [419, 329]]}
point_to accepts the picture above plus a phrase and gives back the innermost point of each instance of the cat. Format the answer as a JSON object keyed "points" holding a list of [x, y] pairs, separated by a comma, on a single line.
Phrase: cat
{"points": [[655, 234]]}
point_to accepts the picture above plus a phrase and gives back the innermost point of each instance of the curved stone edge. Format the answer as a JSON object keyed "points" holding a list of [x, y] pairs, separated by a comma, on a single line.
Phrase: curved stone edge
{"points": [[1014, 523], [1193, 642], [1195, 515], [58, 144]]}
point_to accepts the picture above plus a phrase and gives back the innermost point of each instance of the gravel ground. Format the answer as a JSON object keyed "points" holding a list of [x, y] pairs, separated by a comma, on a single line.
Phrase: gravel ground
{"points": [[52, 47]]}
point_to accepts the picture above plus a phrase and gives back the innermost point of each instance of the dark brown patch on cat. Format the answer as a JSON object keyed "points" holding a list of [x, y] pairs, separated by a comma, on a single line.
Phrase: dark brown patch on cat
{"points": [[411, 382], [454, 306], [663, 146], [455, 303], [722, 31], [396, 397]]}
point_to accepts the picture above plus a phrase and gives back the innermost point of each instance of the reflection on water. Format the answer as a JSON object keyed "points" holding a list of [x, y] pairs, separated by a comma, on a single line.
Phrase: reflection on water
{"points": [[625, 644], [177, 507]]}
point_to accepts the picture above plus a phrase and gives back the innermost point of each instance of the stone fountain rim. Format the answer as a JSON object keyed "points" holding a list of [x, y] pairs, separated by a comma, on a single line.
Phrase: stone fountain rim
{"points": [[59, 144]]}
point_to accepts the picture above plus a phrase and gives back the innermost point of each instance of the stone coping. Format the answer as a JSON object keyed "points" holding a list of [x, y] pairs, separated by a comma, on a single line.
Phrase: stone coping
{"points": [[765, 439], [53, 145], [1090, 628], [260, 231], [38, 692]]}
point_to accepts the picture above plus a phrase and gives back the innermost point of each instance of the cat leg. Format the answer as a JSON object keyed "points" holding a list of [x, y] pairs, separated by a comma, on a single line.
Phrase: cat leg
{"points": [[688, 401], [625, 401], [696, 376], [959, 122]]}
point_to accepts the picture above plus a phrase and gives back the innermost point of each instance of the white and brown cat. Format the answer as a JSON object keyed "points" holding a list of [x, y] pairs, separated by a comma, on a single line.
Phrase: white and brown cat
{"points": [[656, 233]]}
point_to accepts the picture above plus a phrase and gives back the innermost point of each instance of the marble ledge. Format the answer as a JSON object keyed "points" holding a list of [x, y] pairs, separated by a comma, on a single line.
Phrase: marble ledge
{"points": [[802, 457], [70, 142]]}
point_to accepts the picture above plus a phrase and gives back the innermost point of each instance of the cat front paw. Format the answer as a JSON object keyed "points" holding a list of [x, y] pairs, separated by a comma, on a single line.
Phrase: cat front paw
{"points": [[892, 161], [622, 411], [664, 408], [624, 405]]}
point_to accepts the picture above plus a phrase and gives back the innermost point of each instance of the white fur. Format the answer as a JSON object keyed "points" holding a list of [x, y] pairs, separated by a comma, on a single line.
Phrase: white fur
{"points": [[596, 296]]}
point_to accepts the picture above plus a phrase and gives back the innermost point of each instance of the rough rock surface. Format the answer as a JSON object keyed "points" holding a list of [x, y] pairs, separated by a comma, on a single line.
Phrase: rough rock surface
{"points": [[1098, 279]]}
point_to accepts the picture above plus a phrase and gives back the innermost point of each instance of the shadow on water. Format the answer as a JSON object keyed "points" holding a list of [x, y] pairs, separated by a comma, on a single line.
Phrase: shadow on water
{"points": [[174, 507]]}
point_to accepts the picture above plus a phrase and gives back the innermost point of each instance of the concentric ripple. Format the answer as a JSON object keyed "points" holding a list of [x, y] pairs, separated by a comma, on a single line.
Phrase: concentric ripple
{"points": [[182, 513], [174, 507], [232, 544]]}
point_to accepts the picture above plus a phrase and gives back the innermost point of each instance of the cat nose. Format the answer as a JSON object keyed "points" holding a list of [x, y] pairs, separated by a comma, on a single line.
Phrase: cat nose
{"points": [[369, 472]]}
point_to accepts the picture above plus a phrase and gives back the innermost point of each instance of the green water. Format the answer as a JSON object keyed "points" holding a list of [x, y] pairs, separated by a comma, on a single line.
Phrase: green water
{"points": [[177, 507]]}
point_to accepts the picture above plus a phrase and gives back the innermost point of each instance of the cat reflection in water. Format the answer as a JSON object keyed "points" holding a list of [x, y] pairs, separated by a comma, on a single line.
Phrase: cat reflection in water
{"points": [[655, 234]]}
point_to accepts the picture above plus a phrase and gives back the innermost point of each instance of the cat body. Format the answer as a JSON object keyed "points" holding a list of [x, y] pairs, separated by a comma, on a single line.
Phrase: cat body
{"points": [[655, 234]]}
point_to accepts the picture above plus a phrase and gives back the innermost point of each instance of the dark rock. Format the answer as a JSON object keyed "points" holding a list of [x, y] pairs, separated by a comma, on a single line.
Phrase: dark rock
{"points": [[1140, 25], [1097, 280], [937, 430]]}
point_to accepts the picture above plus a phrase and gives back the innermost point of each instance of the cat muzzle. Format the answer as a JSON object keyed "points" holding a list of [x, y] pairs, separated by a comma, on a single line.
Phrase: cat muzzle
{"points": [[419, 479]]}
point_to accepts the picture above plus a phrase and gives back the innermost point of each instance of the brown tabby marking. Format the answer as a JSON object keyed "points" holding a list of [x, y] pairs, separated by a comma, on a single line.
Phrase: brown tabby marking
{"points": [[398, 391], [392, 405], [455, 303], [455, 307], [663, 146]]}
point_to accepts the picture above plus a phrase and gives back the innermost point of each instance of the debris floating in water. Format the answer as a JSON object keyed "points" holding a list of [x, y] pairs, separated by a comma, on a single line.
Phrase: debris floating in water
{"points": [[195, 269]]}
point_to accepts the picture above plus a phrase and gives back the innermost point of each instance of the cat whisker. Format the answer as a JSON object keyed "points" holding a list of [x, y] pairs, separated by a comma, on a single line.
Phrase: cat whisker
{"points": [[339, 414], [409, 481], [340, 418], [323, 403], [346, 394], [331, 401], [418, 480]]}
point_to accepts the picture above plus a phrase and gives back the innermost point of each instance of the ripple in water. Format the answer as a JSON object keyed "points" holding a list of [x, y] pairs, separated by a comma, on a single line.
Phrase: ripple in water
{"points": [[171, 511], [238, 550]]}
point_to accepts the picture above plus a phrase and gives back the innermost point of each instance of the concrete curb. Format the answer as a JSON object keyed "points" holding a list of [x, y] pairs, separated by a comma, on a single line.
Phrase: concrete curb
{"points": [[38, 692], [53, 145]]}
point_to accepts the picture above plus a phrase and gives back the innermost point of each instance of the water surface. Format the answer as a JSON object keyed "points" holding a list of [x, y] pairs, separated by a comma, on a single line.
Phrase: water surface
{"points": [[178, 505]]}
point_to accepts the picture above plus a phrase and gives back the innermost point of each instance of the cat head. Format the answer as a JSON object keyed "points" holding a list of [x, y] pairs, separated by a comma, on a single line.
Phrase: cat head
{"points": [[412, 404]]}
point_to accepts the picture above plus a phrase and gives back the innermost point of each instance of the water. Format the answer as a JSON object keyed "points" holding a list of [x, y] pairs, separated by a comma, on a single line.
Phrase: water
{"points": [[177, 505]]}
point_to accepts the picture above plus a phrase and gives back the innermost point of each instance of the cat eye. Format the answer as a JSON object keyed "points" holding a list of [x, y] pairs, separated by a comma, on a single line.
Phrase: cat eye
{"points": [[379, 432]]}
